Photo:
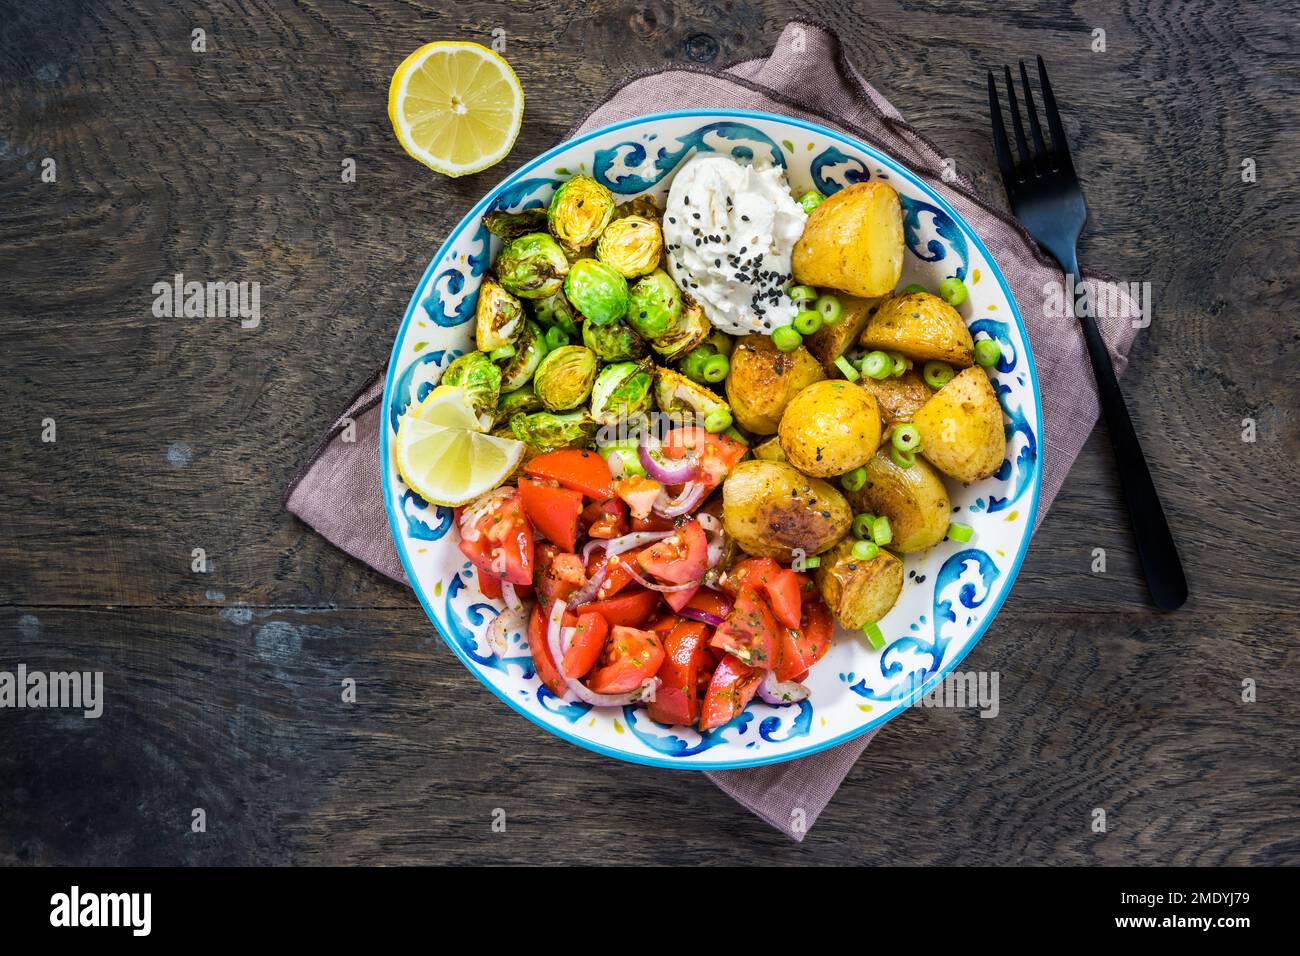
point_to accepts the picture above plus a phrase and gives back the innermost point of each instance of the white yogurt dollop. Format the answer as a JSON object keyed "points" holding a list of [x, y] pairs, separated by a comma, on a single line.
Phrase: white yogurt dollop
{"points": [[728, 233]]}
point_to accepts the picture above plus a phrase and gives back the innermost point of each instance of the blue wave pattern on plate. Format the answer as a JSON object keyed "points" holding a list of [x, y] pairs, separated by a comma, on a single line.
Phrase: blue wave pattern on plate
{"points": [[933, 245], [832, 169], [967, 577], [417, 381], [788, 722], [623, 168], [1023, 462], [477, 614], [418, 513]]}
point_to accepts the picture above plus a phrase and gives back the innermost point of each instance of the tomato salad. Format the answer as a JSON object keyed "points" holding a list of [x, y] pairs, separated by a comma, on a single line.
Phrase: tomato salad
{"points": [[630, 590]]}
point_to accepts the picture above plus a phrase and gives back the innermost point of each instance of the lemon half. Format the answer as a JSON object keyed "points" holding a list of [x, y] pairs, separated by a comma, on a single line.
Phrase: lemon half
{"points": [[455, 106], [444, 457]]}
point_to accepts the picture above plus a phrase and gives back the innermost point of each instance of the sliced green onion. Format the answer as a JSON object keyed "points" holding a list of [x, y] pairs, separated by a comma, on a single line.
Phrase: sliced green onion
{"points": [[808, 322], [937, 374], [900, 363], [881, 532], [715, 368], [960, 532], [786, 339], [799, 294], [846, 367], [813, 562], [736, 434], [830, 307], [906, 437], [718, 420], [811, 200], [903, 459], [953, 291], [877, 365], [862, 525], [874, 636], [503, 353], [987, 352], [865, 550], [855, 479], [914, 287]]}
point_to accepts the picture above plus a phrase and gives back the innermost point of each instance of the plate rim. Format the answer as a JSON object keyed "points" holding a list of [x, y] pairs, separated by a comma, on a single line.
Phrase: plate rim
{"points": [[385, 451]]}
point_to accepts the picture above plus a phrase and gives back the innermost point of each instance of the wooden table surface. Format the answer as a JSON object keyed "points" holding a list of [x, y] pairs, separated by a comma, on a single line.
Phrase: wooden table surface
{"points": [[180, 433]]}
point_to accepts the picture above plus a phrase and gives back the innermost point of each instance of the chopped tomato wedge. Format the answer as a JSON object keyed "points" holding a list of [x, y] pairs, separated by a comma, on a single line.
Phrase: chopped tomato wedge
{"points": [[489, 584], [731, 689], [749, 631], [547, 672], [553, 510], [652, 522], [630, 657], [804, 646], [639, 492], [617, 576], [679, 599], [680, 558], [686, 654], [606, 519], [718, 454], [663, 623], [575, 468], [495, 536], [559, 574], [781, 586], [710, 602], [630, 609], [588, 641]]}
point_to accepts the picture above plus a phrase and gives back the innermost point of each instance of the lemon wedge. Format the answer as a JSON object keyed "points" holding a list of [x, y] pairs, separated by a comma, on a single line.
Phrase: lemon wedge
{"points": [[455, 106], [444, 456]]}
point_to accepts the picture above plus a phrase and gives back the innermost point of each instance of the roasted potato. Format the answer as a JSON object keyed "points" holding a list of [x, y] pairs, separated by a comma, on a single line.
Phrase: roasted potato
{"points": [[923, 327], [961, 427], [913, 499], [769, 450], [853, 241], [899, 398], [830, 427], [859, 592], [770, 509], [763, 380], [831, 341]]}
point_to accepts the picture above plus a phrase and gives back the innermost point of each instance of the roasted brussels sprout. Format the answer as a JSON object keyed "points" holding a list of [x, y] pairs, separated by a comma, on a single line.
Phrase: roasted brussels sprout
{"points": [[654, 305], [631, 245], [530, 348], [509, 225], [523, 400], [480, 379], [580, 211], [532, 266], [643, 206], [498, 316], [678, 395], [692, 328], [621, 391], [547, 431], [613, 343], [556, 312], [564, 379], [596, 290]]}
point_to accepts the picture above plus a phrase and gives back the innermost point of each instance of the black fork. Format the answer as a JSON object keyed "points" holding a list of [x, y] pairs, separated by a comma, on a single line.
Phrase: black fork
{"points": [[1045, 196]]}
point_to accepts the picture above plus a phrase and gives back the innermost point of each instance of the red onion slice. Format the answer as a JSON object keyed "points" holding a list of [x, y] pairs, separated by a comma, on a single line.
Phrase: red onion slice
{"points": [[511, 598], [781, 692], [588, 591], [498, 632], [554, 627], [654, 585], [704, 617], [666, 471], [691, 495]]}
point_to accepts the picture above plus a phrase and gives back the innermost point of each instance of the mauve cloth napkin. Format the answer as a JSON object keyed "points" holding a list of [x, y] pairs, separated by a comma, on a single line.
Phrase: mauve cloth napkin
{"points": [[337, 491]]}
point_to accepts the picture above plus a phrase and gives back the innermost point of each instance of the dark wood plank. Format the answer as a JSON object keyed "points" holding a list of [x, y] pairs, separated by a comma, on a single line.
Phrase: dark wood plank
{"points": [[181, 433]]}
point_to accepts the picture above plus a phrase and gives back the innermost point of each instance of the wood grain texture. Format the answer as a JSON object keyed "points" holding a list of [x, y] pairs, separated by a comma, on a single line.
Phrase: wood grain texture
{"points": [[181, 433]]}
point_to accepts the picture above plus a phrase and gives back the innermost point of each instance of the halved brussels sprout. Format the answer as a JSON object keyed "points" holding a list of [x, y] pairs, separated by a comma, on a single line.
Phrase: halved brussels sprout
{"points": [[631, 245], [530, 348], [691, 329], [596, 290], [498, 316], [547, 431], [654, 305], [523, 400], [580, 211], [564, 379], [679, 396], [643, 206], [621, 391], [613, 343], [480, 379], [556, 311], [532, 266], [509, 225]]}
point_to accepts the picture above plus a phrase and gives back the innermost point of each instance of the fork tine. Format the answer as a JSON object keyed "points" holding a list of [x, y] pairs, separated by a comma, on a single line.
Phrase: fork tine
{"points": [[1025, 159], [1059, 146], [1000, 145], [1040, 148]]}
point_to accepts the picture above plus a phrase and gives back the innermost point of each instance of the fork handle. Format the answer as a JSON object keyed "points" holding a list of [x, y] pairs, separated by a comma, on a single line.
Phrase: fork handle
{"points": [[1155, 544]]}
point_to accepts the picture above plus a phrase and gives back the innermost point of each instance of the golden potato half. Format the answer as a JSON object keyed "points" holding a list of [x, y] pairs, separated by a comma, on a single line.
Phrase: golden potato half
{"points": [[770, 509], [961, 427], [859, 592], [763, 380], [913, 499], [899, 398], [923, 327], [853, 242], [830, 427]]}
